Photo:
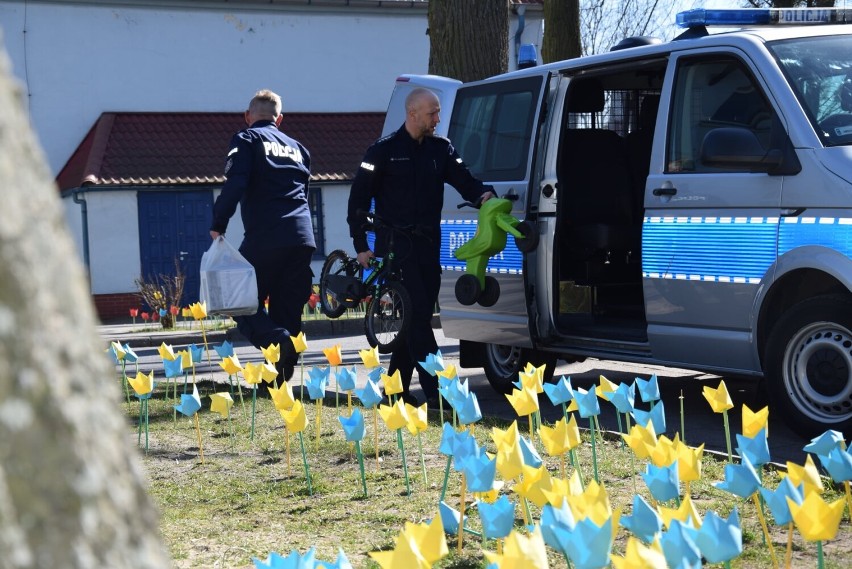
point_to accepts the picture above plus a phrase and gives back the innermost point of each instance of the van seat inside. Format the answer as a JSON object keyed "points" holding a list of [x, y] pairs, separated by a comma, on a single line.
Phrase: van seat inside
{"points": [[597, 211]]}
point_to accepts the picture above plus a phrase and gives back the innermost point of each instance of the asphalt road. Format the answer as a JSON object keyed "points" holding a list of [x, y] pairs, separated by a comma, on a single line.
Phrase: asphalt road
{"points": [[700, 424]]}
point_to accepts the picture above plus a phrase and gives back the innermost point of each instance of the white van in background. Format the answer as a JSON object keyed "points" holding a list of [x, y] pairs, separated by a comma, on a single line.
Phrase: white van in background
{"points": [[693, 201]]}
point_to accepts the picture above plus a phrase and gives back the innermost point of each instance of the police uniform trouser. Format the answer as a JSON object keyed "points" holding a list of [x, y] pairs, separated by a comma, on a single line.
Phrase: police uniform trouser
{"points": [[421, 276], [284, 275]]}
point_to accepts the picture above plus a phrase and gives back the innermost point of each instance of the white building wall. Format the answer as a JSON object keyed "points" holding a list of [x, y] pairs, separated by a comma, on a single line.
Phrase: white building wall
{"points": [[77, 61]]}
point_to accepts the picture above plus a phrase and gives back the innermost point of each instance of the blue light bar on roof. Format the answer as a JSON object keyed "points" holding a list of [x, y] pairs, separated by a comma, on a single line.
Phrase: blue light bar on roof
{"points": [[763, 17]]}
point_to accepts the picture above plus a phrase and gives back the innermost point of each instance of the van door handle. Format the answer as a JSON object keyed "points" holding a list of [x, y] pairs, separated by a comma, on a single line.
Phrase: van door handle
{"points": [[664, 191]]}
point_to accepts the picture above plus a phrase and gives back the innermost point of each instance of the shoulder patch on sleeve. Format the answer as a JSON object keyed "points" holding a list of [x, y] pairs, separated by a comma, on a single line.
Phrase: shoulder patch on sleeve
{"points": [[367, 166]]}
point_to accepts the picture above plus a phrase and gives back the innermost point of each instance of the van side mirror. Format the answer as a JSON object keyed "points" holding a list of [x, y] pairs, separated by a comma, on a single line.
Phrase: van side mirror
{"points": [[739, 149]]}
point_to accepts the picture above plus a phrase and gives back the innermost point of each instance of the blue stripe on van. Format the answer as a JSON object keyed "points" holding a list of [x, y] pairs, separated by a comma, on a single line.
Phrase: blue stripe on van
{"points": [[732, 249], [457, 232]]}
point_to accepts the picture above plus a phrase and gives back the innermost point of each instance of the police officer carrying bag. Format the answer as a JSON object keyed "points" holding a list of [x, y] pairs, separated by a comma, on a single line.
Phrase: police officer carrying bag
{"points": [[228, 281]]}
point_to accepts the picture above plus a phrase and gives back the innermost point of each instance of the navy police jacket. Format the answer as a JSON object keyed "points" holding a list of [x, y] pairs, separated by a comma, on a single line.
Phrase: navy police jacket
{"points": [[406, 179], [267, 173]]}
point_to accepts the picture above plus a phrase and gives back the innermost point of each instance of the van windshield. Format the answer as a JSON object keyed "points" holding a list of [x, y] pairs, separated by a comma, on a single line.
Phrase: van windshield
{"points": [[820, 72]]}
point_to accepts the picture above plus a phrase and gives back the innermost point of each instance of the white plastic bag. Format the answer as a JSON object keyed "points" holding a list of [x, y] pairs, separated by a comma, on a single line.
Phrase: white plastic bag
{"points": [[228, 281]]}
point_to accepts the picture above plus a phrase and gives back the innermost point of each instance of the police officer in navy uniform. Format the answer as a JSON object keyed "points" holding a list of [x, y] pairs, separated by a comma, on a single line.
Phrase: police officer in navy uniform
{"points": [[267, 173], [405, 173]]}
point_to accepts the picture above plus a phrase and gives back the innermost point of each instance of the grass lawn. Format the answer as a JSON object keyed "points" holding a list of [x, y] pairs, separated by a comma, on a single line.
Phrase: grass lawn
{"points": [[250, 497]]}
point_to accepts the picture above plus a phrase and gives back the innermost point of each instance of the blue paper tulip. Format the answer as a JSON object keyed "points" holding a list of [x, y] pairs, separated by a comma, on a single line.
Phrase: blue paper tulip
{"points": [[464, 447], [468, 412], [777, 500], [838, 464], [292, 561], [623, 398], [498, 518], [173, 368], [589, 545], [433, 364], [353, 426], [679, 547], [656, 416], [756, 448], [740, 479], [129, 355], [662, 481], [196, 353], [528, 452], [448, 440], [370, 395], [587, 402], [560, 391], [648, 390], [455, 392], [317, 382], [644, 522], [720, 540], [450, 518], [479, 471], [823, 444], [189, 403], [376, 374], [346, 377], [556, 524], [226, 350], [162, 312]]}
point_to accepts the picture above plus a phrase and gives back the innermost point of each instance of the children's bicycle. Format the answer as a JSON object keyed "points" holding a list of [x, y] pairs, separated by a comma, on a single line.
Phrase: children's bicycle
{"points": [[343, 285]]}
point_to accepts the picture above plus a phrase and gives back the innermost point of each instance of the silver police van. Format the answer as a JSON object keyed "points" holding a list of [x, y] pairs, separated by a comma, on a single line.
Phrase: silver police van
{"points": [[692, 199]]}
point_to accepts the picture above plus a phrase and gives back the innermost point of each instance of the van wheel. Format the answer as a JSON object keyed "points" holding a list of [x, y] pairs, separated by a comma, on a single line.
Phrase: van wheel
{"points": [[504, 363], [809, 365], [467, 289]]}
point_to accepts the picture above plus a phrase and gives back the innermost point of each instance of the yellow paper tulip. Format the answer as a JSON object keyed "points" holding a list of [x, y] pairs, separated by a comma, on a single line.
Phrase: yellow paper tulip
{"points": [[272, 353], [142, 384], [449, 372], [640, 556], [689, 462], [268, 372], [533, 484], [592, 503], [605, 388], [430, 539], [118, 350], [406, 555], [231, 364], [221, 403], [252, 373], [282, 397], [300, 343], [199, 310], [185, 359], [719, 398], [664, 453], [394, 416], [417, 421], [753, 422], [333, 355], [560, 438], [370, 357], [686, 511], [392, 383], [295, 418], [524, 401], [166, 352], [806, 474], [815, 519], [641, 440], [186, 312], [520, 551]]}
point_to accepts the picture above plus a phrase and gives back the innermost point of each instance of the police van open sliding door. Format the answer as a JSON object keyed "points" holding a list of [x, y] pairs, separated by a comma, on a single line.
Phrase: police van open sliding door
{"points": [[709, 236], [492, 125]]}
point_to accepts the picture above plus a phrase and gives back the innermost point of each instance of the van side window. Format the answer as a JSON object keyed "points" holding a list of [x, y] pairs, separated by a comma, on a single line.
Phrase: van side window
{"points": [[491, 127], [710, 94]]}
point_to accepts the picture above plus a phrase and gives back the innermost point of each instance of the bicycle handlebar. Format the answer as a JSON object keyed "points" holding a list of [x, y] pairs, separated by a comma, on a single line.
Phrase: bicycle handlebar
{"points": [[377, 220]]}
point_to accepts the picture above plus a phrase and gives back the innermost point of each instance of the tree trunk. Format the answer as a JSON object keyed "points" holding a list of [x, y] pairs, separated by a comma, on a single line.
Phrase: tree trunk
{"points": [[468, 39], [71, 488], [561, 30]]}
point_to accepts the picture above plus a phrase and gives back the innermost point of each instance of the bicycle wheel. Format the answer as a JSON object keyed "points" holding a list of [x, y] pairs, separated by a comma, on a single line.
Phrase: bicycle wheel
{"points": [[336, 265], [388, 316]]}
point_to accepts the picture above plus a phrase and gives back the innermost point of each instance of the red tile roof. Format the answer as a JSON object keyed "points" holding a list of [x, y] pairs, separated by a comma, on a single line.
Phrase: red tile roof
{"points": [[189, 148]]}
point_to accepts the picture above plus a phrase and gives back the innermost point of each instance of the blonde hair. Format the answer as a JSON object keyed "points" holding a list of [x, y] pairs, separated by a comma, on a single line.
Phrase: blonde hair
{"points": [[265, 104]]}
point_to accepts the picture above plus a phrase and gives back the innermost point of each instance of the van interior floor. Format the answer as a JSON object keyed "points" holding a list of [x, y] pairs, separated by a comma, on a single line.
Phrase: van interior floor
{"points": [[608, 327]]}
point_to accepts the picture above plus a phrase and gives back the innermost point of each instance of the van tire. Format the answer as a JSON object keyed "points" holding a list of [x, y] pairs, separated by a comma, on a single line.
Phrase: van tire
{"points": [[504, 363], [809, 365]]}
